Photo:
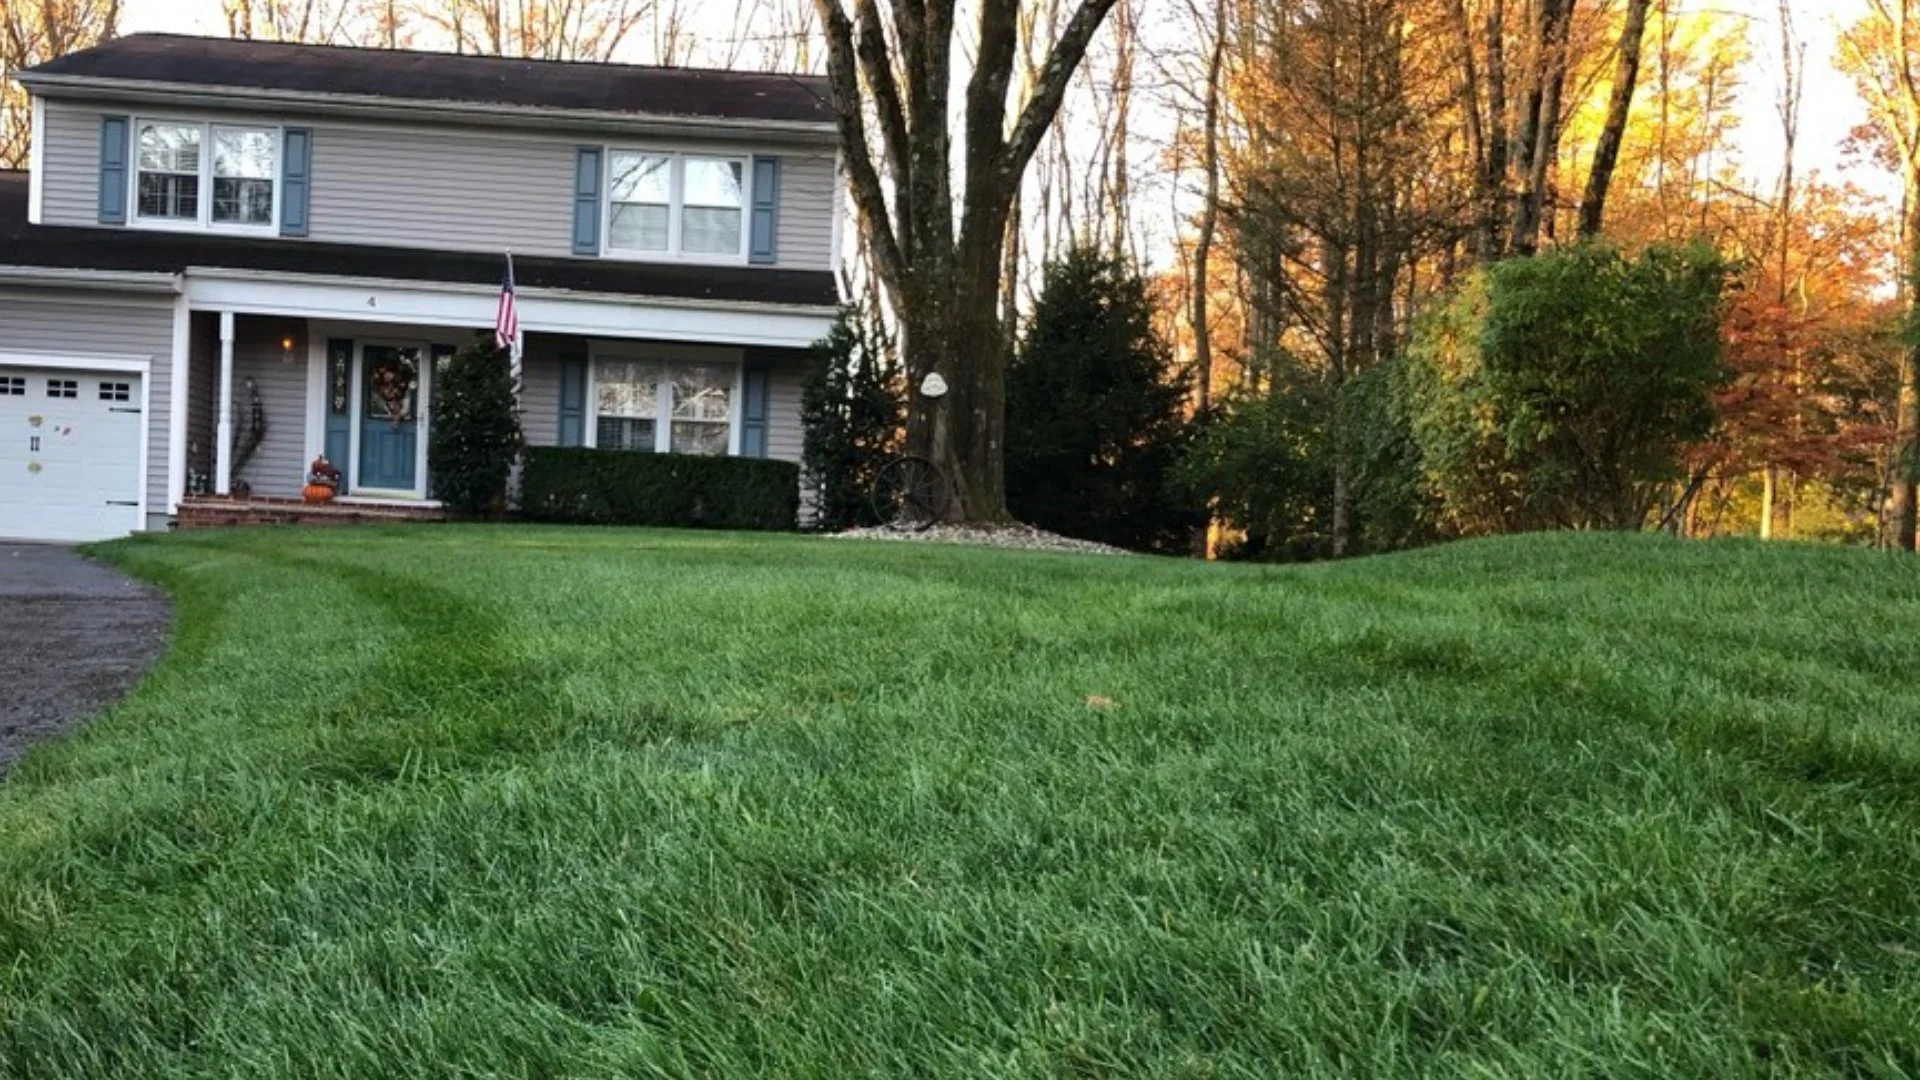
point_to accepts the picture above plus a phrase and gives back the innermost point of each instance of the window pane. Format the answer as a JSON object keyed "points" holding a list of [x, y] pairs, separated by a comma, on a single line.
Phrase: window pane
{"points": [[628, 388], [705, 231], [638, 227], [173, 148], [242, 153], [699, 437], [619, 433], [166, 195], [701, 392], [711, 182], [641, 178], [246, 202], [392, 382], [169, 182]]}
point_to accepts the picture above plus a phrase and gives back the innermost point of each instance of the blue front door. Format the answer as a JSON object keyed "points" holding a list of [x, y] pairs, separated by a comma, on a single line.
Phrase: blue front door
{"points": [[390, 416]]}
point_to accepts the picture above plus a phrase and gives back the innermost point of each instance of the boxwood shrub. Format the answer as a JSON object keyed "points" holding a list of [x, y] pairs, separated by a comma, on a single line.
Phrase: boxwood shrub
{"points": [[621, 487]]}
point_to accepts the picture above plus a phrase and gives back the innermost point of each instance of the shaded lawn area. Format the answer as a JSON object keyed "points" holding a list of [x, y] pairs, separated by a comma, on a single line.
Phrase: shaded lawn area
{"points": [[468, 801]]}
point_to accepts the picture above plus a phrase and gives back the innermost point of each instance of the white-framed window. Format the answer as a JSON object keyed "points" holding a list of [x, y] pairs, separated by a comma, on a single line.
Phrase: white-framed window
{"points": [[193, 174], [663, 406], [675, 204]]}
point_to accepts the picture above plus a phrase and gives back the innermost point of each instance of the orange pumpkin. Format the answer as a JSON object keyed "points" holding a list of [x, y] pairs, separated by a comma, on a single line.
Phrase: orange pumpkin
{"points": [[317, 493]]}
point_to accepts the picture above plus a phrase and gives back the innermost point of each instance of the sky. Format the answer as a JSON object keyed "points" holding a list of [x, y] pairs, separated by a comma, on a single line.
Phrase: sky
{"points": [[1832, 108]]}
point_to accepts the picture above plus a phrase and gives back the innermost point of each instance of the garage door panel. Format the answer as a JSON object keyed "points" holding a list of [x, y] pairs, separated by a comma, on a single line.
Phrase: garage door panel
{"points": [[69, 465]]}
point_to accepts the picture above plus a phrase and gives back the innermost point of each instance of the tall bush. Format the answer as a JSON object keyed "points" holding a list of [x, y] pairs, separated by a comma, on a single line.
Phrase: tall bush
{"points": [[475, 431], [1562, 390], [851, 414], [1095, 415]]}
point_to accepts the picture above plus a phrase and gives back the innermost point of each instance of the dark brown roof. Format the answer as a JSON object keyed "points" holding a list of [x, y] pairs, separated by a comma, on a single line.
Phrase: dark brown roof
{"points": [[447, 77], [110, 248]]}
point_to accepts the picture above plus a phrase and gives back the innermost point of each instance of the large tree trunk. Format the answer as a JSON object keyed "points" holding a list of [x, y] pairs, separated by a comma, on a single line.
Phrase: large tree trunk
{"points": [[1209, 215], [1606, 153], [1540, 130], [1903, 504], [943, 281]]}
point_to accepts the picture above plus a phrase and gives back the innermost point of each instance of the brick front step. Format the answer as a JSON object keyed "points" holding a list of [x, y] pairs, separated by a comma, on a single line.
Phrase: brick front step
{"points": [[212, 512]]}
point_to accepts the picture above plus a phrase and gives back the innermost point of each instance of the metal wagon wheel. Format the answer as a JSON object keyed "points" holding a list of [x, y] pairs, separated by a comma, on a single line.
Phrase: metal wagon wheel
{"points": [[910, 494]]}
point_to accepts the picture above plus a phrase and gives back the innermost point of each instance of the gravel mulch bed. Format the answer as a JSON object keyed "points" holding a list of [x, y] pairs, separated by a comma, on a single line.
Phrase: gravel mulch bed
{"points": [[1023, 537]]}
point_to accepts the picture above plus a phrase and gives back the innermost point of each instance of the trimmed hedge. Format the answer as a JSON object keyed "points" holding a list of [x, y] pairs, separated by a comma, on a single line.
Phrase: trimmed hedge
{"points": [[622, 487]]}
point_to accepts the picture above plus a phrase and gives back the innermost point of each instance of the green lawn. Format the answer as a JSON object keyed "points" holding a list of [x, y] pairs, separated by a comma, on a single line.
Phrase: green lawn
{"points": [[465, 802]]}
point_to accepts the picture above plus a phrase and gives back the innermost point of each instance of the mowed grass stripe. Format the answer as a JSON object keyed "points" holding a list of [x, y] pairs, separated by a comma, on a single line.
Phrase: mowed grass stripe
{"points": [[477, 801]]}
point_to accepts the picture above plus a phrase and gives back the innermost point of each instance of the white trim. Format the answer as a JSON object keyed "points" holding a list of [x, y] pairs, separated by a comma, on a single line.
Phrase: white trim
{"points": [[189, 95], [37, 162], [541, 310], [177, 404], [316, 441], [676, 205], [79, 361], [146, 447], [223, 424], [120, 364], [203, 221], [112, 280]]}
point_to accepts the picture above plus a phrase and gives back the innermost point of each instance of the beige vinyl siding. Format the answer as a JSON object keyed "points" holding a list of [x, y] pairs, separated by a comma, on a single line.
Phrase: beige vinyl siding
{"points": [[66, 322], [448, 188], [784, 382], [279, 466], [439, 187], [70, 158], [540, 388], [279, 378]]}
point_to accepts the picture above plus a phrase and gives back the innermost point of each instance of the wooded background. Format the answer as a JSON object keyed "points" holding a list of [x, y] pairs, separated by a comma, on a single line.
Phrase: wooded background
{"points": [[1299, 180]]}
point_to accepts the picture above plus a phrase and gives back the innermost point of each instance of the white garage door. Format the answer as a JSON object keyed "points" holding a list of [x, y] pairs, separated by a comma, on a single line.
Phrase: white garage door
{"points": [[69, 453]]}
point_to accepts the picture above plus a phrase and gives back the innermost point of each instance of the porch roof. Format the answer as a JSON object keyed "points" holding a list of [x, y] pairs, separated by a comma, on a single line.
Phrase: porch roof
{"points": [[122, 249]]}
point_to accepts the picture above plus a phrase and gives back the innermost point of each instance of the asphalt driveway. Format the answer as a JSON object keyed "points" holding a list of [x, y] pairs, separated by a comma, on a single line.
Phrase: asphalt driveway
{"points": [[75, 636]]}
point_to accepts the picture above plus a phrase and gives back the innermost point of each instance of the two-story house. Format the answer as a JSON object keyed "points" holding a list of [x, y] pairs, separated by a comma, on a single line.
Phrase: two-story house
{"points": [[229, 258]]}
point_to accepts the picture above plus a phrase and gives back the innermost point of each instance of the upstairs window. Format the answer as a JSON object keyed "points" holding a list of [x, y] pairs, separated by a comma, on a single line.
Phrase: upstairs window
{"points": [[179, 182], [243, 168], [169, 172], [671, 205]]}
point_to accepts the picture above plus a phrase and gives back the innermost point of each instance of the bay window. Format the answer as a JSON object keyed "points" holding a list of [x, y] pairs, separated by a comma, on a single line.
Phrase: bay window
{"points": [[177, 181], [672, 204], [654, 406]]}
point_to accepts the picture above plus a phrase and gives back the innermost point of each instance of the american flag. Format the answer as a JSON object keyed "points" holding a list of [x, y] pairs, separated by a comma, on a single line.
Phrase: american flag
{"points": [[506, 321]]}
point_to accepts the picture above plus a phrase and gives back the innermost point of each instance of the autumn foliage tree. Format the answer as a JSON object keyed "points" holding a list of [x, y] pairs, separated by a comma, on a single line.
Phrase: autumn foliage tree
{"points": [[33, 32]]}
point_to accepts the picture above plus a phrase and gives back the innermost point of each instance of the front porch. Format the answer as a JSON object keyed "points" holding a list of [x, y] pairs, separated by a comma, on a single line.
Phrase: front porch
{"points": [[217, 512], [265, 394]]}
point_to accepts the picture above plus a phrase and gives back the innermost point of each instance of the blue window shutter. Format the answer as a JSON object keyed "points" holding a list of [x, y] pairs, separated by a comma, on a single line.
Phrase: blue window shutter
{"points": [[115, 150], [573, 400], [764, 249], [339, 401], [586, 202], [754, 408], [296, 170]]}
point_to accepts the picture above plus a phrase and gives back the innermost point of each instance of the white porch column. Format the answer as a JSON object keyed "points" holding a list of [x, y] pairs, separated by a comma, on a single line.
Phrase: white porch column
{"points": [[179, 390], [223, 439], [517, 361]]}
